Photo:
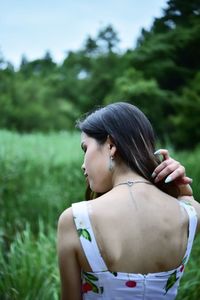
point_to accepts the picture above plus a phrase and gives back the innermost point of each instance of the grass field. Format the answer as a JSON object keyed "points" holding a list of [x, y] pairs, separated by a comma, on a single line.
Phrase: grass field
{"points": [[40, 176]]}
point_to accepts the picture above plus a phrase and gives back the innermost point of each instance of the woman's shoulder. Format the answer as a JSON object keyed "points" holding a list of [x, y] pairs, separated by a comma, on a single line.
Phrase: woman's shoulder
{"points": [[67, 230], [65, 220]]}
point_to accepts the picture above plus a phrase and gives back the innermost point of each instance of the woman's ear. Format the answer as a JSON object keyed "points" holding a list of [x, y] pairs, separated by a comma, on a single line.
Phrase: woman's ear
{"points": [[111, 145]]}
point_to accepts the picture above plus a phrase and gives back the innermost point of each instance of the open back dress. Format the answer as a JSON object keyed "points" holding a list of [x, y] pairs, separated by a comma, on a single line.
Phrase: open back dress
{"points": [[104, 284]]}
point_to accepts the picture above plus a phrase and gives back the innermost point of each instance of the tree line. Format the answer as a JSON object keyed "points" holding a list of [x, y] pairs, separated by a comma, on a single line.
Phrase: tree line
{"points": [[161, 75]]}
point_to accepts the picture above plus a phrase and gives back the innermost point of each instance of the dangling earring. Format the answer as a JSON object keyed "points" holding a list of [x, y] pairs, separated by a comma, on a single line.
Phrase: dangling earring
{"points": [[111, 164]]}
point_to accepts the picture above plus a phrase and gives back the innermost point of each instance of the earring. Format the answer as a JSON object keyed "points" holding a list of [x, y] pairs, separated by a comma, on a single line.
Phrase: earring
{"points": [[111, 164]]}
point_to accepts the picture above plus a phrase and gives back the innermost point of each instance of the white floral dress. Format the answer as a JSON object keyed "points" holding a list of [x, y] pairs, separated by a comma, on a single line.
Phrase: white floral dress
{"points": [[104, 284]]}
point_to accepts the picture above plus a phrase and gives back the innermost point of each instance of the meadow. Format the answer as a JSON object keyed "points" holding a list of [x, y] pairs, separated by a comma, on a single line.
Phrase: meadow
{"points": [[40, 176]]}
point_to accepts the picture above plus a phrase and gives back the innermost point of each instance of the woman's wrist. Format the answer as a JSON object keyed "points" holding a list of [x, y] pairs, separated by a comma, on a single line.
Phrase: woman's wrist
{"points": [[185, 190]]}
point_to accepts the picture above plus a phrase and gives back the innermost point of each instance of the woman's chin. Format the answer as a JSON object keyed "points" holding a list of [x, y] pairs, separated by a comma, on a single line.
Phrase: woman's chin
{"points": [[96, 188], [89, 183], [93, 187]]}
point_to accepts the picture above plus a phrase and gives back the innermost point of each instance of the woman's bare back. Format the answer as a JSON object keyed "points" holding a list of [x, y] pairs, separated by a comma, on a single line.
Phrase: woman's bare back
{"points": [[138, 229]]}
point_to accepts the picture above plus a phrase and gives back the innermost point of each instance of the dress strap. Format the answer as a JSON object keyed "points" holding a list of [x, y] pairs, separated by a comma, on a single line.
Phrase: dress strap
{"points": [[192, 226], [87, 238]]}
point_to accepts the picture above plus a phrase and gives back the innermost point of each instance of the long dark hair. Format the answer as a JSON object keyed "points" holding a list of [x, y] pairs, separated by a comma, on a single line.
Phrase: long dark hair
{"points": [[132, 134]]}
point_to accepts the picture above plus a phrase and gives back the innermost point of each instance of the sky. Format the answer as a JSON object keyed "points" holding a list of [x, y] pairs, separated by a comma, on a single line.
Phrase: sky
{"points": [[32, 27]]}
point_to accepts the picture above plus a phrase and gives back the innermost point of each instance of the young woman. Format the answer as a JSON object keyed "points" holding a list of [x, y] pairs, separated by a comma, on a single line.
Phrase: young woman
{"points": [[134, 240]]}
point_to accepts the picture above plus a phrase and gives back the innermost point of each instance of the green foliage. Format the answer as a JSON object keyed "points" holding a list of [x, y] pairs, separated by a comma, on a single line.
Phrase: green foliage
{"points": [[30, 269], [187, 120], [181, 11], [40, 174], [40, 177], [160, 75], [189, 285], [191, 162], [108, 37], [170, 57], [146, 94]]}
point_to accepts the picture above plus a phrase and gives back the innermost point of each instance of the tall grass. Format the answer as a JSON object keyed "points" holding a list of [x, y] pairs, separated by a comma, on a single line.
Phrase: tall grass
{"points": [[190, 283], [29, 270], [191, 161], [40, 176]]}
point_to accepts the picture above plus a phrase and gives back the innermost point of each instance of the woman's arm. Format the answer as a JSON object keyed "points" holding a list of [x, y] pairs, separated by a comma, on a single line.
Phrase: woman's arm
{"points": [[70, 271]]}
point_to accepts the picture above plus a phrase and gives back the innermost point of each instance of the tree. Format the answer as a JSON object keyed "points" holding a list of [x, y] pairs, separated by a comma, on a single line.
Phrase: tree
{"points": [[181, 11], [24, 61], [90, 47], [146, 94], [186, 119], [38, 67], [108, 39]]}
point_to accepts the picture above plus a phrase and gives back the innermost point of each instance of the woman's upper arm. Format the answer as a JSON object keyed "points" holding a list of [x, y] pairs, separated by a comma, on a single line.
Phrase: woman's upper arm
{"points": [[70, 271]]}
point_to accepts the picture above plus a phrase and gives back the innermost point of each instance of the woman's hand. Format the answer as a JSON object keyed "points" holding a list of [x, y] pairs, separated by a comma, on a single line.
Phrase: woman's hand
{"points": [[172, 170]]}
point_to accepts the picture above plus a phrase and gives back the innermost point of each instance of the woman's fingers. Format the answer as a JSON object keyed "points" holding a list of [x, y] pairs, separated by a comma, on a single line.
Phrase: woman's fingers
{"points": [[167, 168], [183, 181], [187, 180], [170, 169], [171, 172], [163, 152]]}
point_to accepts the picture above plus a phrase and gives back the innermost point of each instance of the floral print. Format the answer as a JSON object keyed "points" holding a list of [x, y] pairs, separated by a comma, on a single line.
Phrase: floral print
{"points": [[90, 283], [114, 273], [131, 283], [82, 231], [174, 276], [183, 264], [171, 281], [85, 233]]}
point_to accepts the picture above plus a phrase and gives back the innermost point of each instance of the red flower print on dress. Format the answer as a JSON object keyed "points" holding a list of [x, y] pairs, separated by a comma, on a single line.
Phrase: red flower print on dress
{"points": [[131, 283], [86, 287], [183, 264], [89, 285], [182, 268]]}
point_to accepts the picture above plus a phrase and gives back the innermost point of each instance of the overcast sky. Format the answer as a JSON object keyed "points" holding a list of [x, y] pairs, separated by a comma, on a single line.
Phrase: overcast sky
{"points": [[32, 27]]}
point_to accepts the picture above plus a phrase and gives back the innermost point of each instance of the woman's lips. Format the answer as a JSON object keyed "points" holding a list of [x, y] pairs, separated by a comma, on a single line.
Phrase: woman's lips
{"points": [[86, 177]]}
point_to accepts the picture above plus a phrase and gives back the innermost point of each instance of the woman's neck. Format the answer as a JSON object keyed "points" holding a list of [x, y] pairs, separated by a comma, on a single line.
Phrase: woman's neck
{"points": [[122, 176]]}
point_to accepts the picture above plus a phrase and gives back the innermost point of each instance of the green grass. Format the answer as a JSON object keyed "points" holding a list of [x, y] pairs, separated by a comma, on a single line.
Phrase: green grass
{"points": [[190, 283], [191, 161], [40, 176], [54, 147], [29, 270]]}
